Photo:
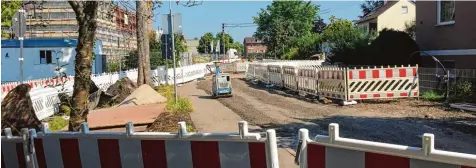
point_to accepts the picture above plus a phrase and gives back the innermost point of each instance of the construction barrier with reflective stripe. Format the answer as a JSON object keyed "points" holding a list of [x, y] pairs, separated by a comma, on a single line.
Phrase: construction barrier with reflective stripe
{"points": [[340, 82], [146, 149], [383, 82], [336, 152]]}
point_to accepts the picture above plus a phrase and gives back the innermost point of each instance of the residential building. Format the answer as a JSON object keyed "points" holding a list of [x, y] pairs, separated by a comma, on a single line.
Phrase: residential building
{"points": [[56, 19], [253, 45], [41, 58], [447, 30], [392, 15]]}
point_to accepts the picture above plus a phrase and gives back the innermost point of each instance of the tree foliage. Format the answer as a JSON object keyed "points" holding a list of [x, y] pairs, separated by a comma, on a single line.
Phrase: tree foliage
{"points": [[204, 43], [9, 8], [319, 26], [282, 20], [369, 6], [237, 46]]}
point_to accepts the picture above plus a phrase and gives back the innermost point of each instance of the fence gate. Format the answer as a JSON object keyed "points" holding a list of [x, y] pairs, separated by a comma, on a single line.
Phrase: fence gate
{"points": [[383, 82], [332, 82]]}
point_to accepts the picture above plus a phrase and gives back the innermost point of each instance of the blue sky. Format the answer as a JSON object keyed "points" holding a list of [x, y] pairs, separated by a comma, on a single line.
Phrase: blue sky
{"points": [[209, 16]]}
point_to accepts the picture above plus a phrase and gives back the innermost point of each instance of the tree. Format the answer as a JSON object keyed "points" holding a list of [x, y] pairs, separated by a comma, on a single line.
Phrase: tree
{"points": [[9, 8], [204, 43], [319, 26], [348, 42], [237, 46], [410, 29], [86, 14], [369, 6], [143, 64], [282, 20], [226, 38]]}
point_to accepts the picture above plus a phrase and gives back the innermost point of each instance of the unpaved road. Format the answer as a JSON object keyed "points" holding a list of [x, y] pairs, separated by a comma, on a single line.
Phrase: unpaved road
{"points": [[398, 122]]}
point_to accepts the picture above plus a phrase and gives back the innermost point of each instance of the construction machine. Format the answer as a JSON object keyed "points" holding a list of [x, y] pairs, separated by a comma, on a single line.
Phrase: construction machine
{"points": [[221, 86]]}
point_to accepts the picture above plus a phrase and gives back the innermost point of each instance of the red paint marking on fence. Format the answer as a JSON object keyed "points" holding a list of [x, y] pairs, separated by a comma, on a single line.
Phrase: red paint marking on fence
{"points": [[109, 154], [375, 73], [316, 156], [414, 71], [351, 76], [153, 153], [351, 96], [376, 95], [257, 154], [415, 94], [40, 153], [374, 160], [205, 154], [403, 94], [70, 153], [402, 72], [362, 75], [390, 95], [363, 96], [20, 155], [389, 73]]}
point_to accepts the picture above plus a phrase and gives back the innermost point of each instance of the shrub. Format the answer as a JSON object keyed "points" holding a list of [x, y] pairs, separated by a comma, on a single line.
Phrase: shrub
{"points": [[432, 96], [57, 123], [462, 91]]}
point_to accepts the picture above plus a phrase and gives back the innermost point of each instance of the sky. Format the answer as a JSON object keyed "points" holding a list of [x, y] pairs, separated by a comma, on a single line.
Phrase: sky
{"points": [[208, 16]]}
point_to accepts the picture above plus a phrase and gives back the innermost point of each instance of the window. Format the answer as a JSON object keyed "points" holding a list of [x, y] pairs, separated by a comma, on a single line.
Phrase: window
{"points": [[404, 9], [45, 57], [446, 12]]}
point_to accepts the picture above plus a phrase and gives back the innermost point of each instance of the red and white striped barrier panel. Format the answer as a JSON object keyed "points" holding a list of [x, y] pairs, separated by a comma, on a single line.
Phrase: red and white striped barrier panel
{"points": [[336, 152], [289, 77], [41, 83], [307, 79], [154, 149], [275, 75], [383, 82]]}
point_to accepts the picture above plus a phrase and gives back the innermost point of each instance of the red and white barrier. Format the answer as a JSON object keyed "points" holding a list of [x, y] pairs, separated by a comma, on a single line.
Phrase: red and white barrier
{"points": [[154, 149], [382, 83], [336, 152]]}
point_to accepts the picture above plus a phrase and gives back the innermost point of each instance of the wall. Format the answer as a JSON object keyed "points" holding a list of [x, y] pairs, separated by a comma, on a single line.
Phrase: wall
{"points": [[458, 36], [394, 18], [32, 69]]}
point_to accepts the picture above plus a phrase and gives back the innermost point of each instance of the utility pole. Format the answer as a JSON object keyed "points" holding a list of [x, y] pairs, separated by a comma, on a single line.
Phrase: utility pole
{"points": [[166, 59], [223, 38], [173, 49]]}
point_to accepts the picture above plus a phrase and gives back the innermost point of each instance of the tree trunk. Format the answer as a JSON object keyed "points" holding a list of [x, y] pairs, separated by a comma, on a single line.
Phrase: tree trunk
{"points": [[143, 65], [86, 12]]}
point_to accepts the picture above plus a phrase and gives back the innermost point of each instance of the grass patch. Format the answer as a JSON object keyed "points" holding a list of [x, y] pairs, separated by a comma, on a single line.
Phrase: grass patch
{"points": [[174, 112], [57, 123], [183, 105], [432, 96]]}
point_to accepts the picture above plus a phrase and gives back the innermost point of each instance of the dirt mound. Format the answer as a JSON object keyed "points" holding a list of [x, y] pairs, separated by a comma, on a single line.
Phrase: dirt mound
{"points": [[117, 92], [143, 95], [17, 110]]}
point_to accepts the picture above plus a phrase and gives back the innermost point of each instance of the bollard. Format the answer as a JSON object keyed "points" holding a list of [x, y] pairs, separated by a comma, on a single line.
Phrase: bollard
{"points": [[272, 149]]}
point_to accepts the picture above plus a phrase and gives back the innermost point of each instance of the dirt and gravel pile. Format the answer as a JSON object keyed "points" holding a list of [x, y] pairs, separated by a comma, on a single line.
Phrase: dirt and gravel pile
{"points": [[399, 122]]}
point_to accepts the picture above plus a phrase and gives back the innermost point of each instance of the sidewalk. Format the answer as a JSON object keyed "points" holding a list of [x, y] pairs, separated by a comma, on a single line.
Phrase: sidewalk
{"points": [[211, 116]]}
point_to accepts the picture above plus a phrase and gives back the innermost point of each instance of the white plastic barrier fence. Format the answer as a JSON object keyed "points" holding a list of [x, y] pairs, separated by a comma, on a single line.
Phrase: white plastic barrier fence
{"points": [[144, 149], [275, 75], [334, 151], [289, 77], [332, 82], [45, 98], [307, 79], [383, 82]]}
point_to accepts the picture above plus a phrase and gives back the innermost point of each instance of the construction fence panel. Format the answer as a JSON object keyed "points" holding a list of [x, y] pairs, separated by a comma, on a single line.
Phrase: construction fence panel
{"points": [[261, 73], [307, 79], [240, 66], [145, 149], [332, 82], [382, 83], [250, 71], [289, 77], [333, 151], [275, 75]]}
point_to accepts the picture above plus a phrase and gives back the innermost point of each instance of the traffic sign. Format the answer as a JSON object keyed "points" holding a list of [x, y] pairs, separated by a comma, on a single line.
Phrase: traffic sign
{"points": [[19, 23]]}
